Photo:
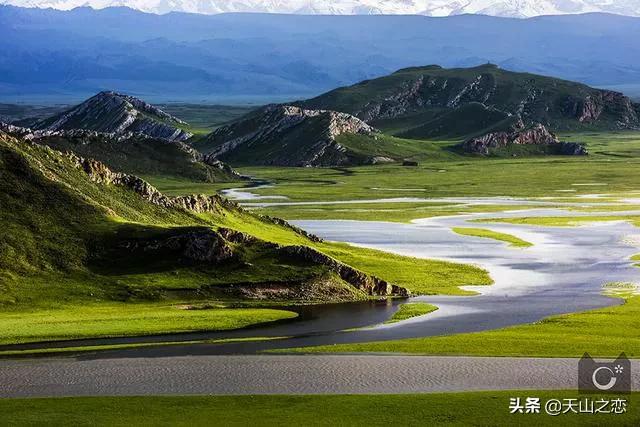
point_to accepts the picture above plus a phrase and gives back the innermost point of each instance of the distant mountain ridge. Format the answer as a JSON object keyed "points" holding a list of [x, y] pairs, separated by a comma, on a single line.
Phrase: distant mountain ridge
{"points": [[505, 8], [50, 56]]}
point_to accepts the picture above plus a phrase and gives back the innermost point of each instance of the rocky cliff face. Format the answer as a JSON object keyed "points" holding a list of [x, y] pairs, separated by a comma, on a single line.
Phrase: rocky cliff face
{"points": [[592, 107], [537, 135], [198, 246], [368, 284], [99, 172], [288, 136], [110, 112]]}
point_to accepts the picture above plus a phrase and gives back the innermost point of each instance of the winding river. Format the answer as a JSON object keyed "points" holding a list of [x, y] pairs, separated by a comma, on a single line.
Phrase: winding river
{"points": [[562, 272]]}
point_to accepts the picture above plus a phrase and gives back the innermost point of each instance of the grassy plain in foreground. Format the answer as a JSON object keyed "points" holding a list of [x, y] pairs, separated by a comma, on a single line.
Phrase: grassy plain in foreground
{"points": [[469, 408], [126, 319]]}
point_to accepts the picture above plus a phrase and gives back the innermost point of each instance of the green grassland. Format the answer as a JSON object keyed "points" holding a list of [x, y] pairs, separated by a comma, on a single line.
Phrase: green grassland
{"points": [[122, 319], [412, 309], [204, 118], [63, 349], [613, 160], [489, 234], [469, 408], [395, 148], [609, 169], [604, 332], [376, 211]]}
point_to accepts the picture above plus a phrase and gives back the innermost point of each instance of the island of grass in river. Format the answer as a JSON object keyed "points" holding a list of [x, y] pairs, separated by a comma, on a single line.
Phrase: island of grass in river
{"points": [[490, 234], [410, 310]]}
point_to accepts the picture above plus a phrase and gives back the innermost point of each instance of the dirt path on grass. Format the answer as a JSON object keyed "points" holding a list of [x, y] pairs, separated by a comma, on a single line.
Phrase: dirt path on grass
{"points": [[262, 374]]}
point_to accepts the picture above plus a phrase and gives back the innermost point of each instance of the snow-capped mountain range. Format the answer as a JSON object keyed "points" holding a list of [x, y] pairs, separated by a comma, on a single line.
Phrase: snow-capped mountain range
{"points": [[504, 8]]}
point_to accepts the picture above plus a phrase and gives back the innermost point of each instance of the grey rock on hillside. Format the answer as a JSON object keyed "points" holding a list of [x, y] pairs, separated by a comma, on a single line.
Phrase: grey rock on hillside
{"points": [[111, 112]]}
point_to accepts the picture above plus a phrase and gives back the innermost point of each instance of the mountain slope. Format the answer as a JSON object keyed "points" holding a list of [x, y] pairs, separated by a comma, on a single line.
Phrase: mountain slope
{"points": [[133, 153], [425, 102], [510, 8], [92, 234], [111, 112], [285, 135]]}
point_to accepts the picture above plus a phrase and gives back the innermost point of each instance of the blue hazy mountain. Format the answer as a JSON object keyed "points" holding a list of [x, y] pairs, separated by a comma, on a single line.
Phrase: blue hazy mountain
{"points": [[73, 54]]}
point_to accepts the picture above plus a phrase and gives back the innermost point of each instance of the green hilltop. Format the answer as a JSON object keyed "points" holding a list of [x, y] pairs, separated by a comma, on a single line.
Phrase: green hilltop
{"points": [[434, 102]]}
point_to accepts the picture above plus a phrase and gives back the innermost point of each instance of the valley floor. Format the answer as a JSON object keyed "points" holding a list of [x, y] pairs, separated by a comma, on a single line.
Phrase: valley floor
{"points": [[463, 336]]}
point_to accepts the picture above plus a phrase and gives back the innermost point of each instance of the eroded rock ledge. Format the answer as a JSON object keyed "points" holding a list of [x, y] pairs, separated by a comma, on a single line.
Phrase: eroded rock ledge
{"points": [[370, 285], [537, 135]]}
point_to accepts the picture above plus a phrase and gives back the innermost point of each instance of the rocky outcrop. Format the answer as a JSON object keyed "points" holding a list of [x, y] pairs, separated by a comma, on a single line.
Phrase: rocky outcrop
{"points": [[368, 284], [100, 173], [202, 246], [111, 112], [236, 236], [604, 103], [535, 135], [289, 136], [324, 288]]}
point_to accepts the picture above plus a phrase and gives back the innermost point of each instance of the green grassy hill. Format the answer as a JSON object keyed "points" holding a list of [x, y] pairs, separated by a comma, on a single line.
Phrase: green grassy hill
{"points": [[433, 102], [75, 230], [145, 156], [285, 135], [425, 104]]}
